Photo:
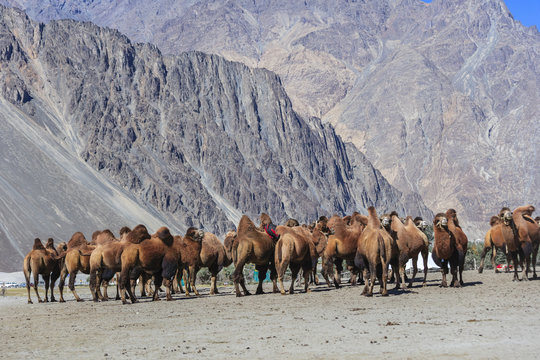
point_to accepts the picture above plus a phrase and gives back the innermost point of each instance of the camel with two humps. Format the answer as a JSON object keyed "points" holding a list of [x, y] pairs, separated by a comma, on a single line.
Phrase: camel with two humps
{"points": [[373, 254], [295, 249], [461, 241], [411, 242], [77, 258], [158, 256], [105, 260], [494, 240], [254, 245], [444, 250], [342, 245], [527, 239], [44, 261]]}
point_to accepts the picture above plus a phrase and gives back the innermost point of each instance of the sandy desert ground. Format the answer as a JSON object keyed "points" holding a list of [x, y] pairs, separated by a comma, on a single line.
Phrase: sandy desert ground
{"points": [[491, 317]]}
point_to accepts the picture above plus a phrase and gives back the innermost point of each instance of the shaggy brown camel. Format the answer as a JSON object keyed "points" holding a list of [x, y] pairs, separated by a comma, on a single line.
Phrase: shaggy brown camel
{"points": [[212, 256], [77, 259], [105, 259], [190, 258], [495, 243], [44, 261], [411, 242], [461, 240], [342, 245], [444, 249], [158, 256], [295, 249], [528, 235], [374, 251], [253, 245]]}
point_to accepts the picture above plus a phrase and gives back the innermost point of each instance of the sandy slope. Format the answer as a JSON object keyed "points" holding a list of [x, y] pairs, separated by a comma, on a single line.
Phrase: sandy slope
{"points": [[492, 317]]}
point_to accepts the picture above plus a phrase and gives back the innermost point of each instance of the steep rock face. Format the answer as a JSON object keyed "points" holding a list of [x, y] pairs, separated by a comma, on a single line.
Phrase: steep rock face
{"points": [[141, 137], [443, 98]]}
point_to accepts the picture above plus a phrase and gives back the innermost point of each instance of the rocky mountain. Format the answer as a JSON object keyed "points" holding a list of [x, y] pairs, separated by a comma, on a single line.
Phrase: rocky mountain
{"points": [[99, 132], [442, 97]]}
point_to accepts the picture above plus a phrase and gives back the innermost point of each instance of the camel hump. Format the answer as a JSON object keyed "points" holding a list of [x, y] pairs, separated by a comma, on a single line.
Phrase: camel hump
{"points": [[494, 220], [525, 210], [77, 240], [245, 225], [124, 230], [373, 219], [138, 234], [164, 235], [50, 244], [38, 245]]}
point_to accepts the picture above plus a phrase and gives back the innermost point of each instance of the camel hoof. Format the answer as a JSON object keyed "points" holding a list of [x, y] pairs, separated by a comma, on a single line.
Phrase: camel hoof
{"points": [[30, 302], [525, 278], [105, 299], [62, 300], [480, 270], [384, 293], [40, 301], [410, 285], [247, 293], [308, 290], [368, 294], [53, 300], [188, 295], [424, 284], [80, 300], [283, 293]]}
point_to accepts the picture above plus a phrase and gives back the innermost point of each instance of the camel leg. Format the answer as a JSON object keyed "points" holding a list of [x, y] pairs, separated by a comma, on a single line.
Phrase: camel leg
{"points": [[533, 258], [372, 275], [54, 277], [192, 277], [213, 287], [92, 284], [454, 271], [168, 285], [281, 268], [526, 251], [158, 280], [36, 281], [338, 268], [27, 272], [366, 280], [514, 257], [307, 274], [493, 256], [72, 277], [415, 270], [238, 277], [105, 285], [46, 279], [63, 274], [482, 259], [384, 278], [262, 275], [295, 269], [444, 271], [425, 259]]}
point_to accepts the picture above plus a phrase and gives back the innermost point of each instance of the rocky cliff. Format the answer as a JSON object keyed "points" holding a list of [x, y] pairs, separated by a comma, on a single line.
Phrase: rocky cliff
{"points": [[99, 132], [443, 98]]}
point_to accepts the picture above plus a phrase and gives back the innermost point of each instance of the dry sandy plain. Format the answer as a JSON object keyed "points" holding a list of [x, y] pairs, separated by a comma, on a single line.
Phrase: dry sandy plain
{"points": [[491, 317]]}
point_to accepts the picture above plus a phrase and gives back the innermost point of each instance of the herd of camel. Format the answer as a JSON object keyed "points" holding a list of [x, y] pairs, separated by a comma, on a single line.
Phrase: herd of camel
{"points": [[368, 244]]}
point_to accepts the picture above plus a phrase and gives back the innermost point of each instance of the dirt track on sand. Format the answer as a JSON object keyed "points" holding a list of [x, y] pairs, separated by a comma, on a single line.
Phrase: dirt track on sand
{"points": [[491, 317]]}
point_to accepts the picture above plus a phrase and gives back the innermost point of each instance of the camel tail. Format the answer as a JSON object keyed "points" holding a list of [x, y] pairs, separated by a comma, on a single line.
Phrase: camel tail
{"points": [[382, 248], [27, 269]]}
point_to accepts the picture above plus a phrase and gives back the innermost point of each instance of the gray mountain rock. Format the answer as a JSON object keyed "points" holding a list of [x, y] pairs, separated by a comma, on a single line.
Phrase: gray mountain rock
{"points": [[99, 132], [443, 98]]}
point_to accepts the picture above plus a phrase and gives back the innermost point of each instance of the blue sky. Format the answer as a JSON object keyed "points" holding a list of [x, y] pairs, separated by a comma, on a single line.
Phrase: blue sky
{"points": [[526, 11]]}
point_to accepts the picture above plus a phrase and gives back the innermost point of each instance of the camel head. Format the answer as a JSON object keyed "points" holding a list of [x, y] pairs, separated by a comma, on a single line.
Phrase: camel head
{"points": [[292, 223], [195, 234], [420, 223], [265, 220], [333, 222], [124, 230], [440, 221], [386, 220], [506, 215], [323, 223]]}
